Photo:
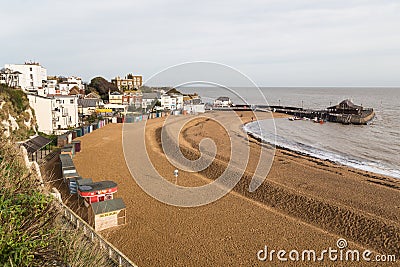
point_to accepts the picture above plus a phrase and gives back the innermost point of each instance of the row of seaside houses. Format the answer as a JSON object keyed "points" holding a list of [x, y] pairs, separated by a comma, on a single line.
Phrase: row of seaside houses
{"points": [[61, 103]]}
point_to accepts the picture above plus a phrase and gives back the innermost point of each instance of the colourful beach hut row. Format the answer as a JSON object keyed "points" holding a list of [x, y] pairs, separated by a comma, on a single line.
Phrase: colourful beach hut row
{"points": [[103, 210], [68, 137], [138, 118], [69, 173], [86, 129], [133, 119]]}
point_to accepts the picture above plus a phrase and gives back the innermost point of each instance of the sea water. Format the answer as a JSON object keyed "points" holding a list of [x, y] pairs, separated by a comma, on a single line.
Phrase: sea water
{"points": [[374, 147]]}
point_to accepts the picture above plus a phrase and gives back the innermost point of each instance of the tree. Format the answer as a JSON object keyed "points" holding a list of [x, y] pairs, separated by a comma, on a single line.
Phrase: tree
{"points": [[102, 86]]}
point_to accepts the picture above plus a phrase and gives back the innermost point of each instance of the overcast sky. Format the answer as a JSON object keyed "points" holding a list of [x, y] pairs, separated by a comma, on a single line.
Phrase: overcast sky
{"points": [[275, 43]]}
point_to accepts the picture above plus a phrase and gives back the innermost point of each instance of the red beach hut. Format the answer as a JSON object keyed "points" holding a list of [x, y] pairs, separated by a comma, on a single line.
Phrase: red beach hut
{"points": [[97, 192]]}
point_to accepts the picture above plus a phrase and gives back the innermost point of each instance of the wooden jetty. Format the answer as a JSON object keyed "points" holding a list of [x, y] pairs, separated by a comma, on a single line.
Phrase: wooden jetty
{"points": [[346, 112]]}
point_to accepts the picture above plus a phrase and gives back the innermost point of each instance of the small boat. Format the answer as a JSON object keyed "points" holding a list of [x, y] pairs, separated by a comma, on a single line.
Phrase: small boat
{"points": [[318, 120], [294, 118]]}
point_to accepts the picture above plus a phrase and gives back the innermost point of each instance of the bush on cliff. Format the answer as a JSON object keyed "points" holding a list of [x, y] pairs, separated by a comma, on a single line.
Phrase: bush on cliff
{"points": [[32, 232]]}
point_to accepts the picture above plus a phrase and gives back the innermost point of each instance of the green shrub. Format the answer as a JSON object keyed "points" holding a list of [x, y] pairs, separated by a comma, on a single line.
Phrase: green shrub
{"points": [[31, 228]]}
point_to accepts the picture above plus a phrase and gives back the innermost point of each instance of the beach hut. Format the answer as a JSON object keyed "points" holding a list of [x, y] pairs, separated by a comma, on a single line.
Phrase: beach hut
{"points": [[68, 171], [84, 181], [69, 137], [68, 149], [66, 161], [77, 145], [106, 214], [72, 182], [74, 134], [129, 119], [78, 132], [98, 191], [81, 181]]}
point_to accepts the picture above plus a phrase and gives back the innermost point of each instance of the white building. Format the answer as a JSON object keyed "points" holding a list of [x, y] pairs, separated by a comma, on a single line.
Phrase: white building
{"points": [[10, 78], [194, 108], [149, 99], [171, 101], [222, 102], [50, 87], [55, 114], [71, 82], [32, 75]]}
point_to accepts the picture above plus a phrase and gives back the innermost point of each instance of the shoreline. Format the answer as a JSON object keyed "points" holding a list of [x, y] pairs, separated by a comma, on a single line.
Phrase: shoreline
{"points": [[394, 182]]}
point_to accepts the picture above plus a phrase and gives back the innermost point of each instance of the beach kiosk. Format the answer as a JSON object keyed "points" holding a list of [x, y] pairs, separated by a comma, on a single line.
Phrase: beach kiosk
{"points": [[97, 192], [106, 214]]}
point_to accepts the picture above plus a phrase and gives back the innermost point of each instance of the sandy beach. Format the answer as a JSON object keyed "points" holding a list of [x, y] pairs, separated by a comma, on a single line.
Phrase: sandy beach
{"points": [[305, 203]]}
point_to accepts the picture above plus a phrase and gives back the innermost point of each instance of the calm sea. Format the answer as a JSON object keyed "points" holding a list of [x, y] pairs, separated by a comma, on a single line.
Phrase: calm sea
{"points": [[374, 147]]}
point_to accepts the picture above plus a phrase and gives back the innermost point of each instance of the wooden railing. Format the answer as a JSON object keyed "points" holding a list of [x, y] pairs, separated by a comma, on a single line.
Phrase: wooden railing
{"points": [[113, 253]]}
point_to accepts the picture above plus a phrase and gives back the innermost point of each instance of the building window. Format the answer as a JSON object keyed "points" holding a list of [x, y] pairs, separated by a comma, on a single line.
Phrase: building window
{"points": [[31, 76], [71, 101], [30, 69]]}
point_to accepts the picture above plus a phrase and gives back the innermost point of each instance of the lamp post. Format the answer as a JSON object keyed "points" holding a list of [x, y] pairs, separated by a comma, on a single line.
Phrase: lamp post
{"points": [[176, 176]]}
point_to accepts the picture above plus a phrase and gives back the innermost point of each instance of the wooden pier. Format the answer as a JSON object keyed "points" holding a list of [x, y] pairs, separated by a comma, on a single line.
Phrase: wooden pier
{"points": [[345, 112]]}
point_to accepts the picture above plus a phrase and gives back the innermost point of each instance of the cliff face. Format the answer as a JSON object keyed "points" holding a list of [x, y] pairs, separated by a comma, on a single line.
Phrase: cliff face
{"points": [[17, 118]]}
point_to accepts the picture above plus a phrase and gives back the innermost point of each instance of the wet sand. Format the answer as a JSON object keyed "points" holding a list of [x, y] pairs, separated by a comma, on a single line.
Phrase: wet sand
{"points": [[305, 203]]}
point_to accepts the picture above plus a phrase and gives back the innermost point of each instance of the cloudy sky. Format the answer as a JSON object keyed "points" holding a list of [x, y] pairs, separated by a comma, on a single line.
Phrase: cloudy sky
{"points": [[274, 42]]}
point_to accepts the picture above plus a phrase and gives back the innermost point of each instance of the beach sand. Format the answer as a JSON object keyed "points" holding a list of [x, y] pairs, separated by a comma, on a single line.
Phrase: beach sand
{"points": [[305, 203]]}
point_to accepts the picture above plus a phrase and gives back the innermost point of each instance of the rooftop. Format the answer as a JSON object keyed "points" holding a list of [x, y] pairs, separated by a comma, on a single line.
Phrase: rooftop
{"points": [[88, 102], [108, 206], [103, 185], [36, 143], [223, 98]]}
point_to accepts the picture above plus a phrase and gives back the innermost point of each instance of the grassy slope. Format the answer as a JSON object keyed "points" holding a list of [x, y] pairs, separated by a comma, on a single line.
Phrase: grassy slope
{"points": [[32, 232]]}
